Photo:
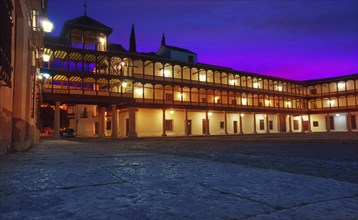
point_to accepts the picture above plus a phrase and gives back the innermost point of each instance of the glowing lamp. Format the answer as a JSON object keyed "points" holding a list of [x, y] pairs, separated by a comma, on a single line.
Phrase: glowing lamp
{"points": [[242, 114], [47, 25], [279, 88], [244, 101], [46, 57], [124, 84], [139, 91], [255, 85], [202, 78], [337, 115], [46, 75], [101, 40], [166, 73], [171, 112], [210, 113], [341, 85]]}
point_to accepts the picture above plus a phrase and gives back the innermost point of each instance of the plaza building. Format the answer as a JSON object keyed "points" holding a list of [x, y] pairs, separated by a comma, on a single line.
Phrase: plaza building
{"points": [[21, 46], [107, 90]]}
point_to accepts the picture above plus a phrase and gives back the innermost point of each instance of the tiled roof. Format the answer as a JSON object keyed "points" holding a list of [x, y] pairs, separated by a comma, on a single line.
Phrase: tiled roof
{"points": [[179, 49], [86, 22]]}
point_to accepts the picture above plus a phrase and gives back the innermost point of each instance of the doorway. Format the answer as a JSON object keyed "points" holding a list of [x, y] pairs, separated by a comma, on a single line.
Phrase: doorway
{"points": [[235, 127], [282, 123], [189, 127], [204, 126], [127, 126]]}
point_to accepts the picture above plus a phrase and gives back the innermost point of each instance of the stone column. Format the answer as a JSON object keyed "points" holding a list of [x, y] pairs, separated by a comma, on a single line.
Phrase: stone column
{"points": [[302, 131], [132, 131], [309, 123], [57, 120], [328, 124], [255, 132], [349, 122], [241, 124], [207, 123], [163, 127], [278, 123], [102, 122], [289, 124], [186, 123], [267, 125], [114, 121], [225, 122]]}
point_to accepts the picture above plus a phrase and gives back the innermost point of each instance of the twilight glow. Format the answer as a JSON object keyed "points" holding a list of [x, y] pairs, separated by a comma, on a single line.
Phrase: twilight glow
{"points": [[298, 40]]}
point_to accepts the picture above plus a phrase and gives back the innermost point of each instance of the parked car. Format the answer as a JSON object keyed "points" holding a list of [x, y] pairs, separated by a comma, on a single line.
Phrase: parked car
{"points": [[68, 132]]}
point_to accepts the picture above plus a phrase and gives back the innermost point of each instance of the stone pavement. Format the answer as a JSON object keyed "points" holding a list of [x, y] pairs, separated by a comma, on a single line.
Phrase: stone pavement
{"points": [[74, 179]]}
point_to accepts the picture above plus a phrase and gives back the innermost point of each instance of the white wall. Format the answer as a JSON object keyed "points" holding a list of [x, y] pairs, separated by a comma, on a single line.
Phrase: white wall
{"points": [[321, 122], [248, 123], [231, 117], [149, 122], [122, 116], [214, 123], [196, 122], [340, 122], [178, 118]]}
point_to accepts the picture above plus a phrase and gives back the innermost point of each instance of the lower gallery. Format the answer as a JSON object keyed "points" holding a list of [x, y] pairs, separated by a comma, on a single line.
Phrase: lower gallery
{"points": [[91, 120]]}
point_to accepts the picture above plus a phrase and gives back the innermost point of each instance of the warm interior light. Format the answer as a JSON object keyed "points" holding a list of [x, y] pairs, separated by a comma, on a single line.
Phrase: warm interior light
{"points": [[46, 57], [232, 82], [124, 84], [180, 96], [288, 104], [101, 40], [166, 73], [244, 101], [39, 76], [242, 114], [122, 63], [305, 117], [210, 113], [202, 78], [47, 25], [139, 91], [337, 115], [255, 85], [46, 75], [216, 98], [330, 102], [267, 102], [341, 85], [279, 88], [171, 112]]}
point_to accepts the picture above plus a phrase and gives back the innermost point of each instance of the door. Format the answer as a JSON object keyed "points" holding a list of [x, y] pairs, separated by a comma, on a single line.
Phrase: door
{"points": [[189, 127], [305, 125], [282, 123], [96, 128], [331, 122], [235, 127], [204, 126], [127, 126]]}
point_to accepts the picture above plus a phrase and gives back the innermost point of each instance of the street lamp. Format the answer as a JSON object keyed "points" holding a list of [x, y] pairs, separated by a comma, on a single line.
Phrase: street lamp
{"points": [[47, 25]]}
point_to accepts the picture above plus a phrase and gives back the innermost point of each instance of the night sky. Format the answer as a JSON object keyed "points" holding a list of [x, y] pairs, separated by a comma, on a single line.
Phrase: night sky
{"points": [[290, 39]]}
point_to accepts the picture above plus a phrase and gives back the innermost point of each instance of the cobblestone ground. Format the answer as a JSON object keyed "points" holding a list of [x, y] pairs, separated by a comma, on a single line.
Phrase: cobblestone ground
{"points": [[254, 177]]}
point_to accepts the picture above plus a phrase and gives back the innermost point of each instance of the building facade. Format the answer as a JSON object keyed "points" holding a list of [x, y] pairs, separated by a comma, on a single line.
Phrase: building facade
{"points": [[109, 91], [21, 43]]}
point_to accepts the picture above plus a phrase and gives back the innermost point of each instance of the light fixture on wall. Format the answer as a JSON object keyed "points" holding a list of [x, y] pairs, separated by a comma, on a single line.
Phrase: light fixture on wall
{"points": [[124, 84], [101, 40], [202, 77], [210, 113], [242, 114], [341, 85], [166, 73], [171, 112], [337, 115], [255, 85], [279, 88], [47, 25], [45, 57], [139, 91], [244, 101]]}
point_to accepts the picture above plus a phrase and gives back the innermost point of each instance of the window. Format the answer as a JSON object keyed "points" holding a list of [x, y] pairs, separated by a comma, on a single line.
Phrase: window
{"points": [[222, 125], [190, 58], [169, 97], [315, 123], [313, 91], [271, 125], [35, 20], [108, 125], [203, 100], [169, 125], [295, 125], [353, 122], [84, 113], [262, 125], [5, 41]]}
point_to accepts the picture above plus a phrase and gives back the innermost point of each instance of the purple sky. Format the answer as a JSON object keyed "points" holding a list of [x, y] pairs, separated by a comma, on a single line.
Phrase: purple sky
{"points": [[291, 39]]}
